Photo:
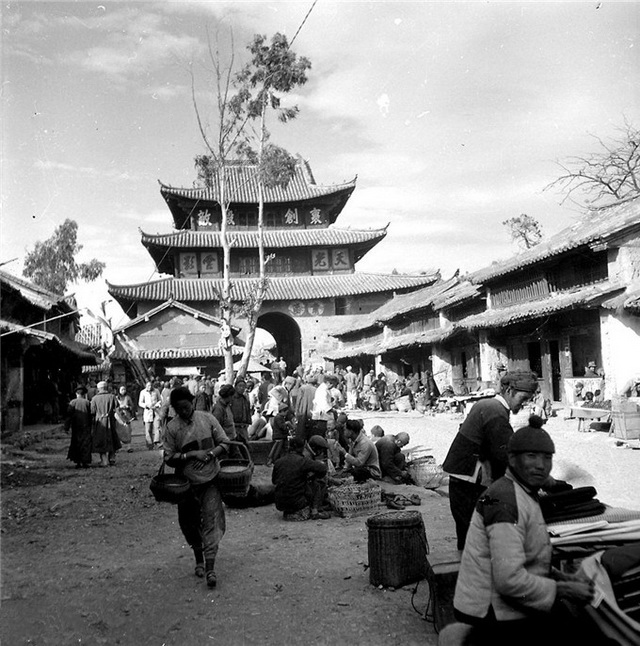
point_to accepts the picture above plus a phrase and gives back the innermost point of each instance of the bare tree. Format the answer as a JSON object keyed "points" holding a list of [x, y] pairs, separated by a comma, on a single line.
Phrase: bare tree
{"points": [[274, 71], [609, 174], [525, 231], [242, 99]]}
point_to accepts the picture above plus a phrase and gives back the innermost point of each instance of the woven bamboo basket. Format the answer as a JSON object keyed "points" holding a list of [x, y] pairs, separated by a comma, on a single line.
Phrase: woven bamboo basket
{"points": [[355, 499], [235, 474], [425, 472], [398, 548]]}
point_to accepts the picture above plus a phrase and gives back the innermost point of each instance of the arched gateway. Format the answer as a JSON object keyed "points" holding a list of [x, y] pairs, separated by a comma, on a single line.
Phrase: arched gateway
{"points": [[287, 336]]}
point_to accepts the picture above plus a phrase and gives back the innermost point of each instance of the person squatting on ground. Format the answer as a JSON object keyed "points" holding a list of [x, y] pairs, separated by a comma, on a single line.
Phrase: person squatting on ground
{"points": [[295, 494], [193, 444], [393, 463], [150, 402], [361, 461], [506, 590], [78, 421], [105, 438], [478, 453]]}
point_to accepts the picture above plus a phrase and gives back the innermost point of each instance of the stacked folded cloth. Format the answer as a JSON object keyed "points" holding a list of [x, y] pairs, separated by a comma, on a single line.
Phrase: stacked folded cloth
{"points": [[570, 504]]}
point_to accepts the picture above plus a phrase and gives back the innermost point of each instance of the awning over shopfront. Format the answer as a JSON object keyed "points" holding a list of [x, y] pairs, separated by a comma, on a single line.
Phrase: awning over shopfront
{"points": [[78, 350], [591, 296]]}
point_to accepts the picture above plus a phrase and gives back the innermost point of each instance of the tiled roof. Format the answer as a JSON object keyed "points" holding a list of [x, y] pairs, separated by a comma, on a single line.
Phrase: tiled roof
{"points": [[464, 291], [280, 288], [400, 305], [273, 239], [423, 338], [175, 304], [243, 187], [158, 245], [174, 353], [379, 346], [628, 300], [90, 335], [366, 349], [594, 228], [36, 295], [78, 350], [590, 296]]}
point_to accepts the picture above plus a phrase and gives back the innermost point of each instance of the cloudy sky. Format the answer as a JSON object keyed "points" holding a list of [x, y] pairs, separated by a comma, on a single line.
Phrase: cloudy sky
{"points": [[451, 114]]}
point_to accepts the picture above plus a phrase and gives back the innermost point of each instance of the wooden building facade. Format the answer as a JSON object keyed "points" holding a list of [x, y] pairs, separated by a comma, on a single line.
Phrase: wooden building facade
{"points": [[553, 309]]}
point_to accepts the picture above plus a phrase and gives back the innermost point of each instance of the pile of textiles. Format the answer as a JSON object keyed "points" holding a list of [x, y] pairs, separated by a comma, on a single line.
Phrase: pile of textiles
{"points": [[569, 504], [616, 609]]}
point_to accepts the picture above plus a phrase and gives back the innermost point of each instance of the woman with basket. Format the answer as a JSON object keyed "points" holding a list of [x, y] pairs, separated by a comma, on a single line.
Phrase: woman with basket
{"points": [[194, 441]]}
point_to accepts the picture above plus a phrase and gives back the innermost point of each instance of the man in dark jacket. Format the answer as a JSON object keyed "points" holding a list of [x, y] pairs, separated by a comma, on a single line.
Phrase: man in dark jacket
{"points": [[478, 453], [293, 496], [393, 464], [222, 410]]}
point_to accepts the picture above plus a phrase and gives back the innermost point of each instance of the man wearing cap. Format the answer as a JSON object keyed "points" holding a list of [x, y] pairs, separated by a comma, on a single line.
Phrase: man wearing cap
{"points": [[105, 437], [478, 453], [194, 442], [393, 463], [506, 588]]}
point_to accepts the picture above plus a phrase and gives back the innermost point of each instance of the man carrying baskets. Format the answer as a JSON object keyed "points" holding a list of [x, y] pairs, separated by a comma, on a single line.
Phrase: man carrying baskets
{"points": [[194, 441]]}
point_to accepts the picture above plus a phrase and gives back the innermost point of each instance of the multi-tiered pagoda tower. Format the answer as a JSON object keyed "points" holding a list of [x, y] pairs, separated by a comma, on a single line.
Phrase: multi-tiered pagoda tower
{"points": [[312, 286]]}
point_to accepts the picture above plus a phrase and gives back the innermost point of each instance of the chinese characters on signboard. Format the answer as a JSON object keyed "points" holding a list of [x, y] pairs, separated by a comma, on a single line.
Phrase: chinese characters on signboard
{"points": [[316, 216], [340, 259], [209, 263], [320, 260], [188, 264], [204, 218], [323, 260], [206, 263], [291, 216]]}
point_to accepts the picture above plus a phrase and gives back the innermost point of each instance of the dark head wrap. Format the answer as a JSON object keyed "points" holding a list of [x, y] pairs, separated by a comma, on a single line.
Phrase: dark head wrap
{"points": [[531, 438], [180, 394], [523, 380]]}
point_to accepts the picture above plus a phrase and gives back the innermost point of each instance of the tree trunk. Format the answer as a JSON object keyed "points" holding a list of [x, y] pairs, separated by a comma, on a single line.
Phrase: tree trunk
{"points": [[252, 316], [226, 339]]}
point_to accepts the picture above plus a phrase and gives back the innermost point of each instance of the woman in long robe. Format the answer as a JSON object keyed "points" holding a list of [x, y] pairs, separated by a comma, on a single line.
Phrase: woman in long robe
{"points": [[78, 421]]}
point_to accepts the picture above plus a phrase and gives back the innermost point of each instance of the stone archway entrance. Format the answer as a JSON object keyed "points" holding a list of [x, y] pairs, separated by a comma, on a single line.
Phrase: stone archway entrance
{"points": [[287, 336]]}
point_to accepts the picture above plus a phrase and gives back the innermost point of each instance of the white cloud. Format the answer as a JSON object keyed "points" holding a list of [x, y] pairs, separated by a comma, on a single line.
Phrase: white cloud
{"points": [[86, 171]]}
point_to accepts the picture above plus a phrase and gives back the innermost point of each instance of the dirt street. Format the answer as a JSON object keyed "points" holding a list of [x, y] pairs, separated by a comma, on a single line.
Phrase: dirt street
{"points": [[89, 557]]}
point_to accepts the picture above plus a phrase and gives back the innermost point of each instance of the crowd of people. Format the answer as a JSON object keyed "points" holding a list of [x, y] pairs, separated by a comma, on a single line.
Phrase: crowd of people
{"points": [[195, 422], [506, 586]]}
